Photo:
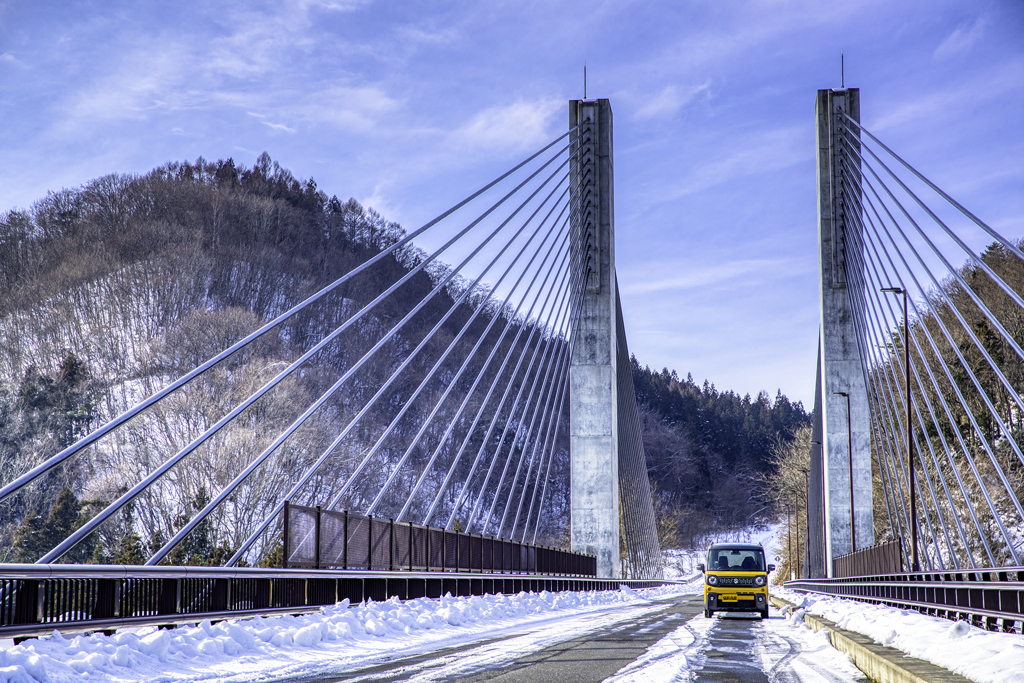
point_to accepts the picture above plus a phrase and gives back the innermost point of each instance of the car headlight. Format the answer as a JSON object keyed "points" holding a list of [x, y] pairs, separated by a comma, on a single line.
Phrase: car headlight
{"points": [[758, 580], [712, 580]]}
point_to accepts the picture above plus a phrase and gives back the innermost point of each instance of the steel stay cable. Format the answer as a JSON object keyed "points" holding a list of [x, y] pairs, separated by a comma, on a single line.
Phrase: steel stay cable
{"points": [[422, 386], [512, 411], [471, 391], [407, 407], [946, 370], [429, 419], [563, 389], [251, 467], [977, 221], [970, 253], [883, 402], [460, 498], [880, 324], [555, 360], [939, 431], [884, 324], [984, 309], [77, 536], [487, 397], [549, 455], [921, 420], [370, 403], [497, 452], [937, 387], [451, 385], [546, 389], [875, 264], [982, 394], [113, 424], [939, 391], [562, 366]]}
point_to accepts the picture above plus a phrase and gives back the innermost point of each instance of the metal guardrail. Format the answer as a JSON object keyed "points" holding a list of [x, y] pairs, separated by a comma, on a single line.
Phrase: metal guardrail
{"points": [[35, 599], [318, 538], [992, 599]]}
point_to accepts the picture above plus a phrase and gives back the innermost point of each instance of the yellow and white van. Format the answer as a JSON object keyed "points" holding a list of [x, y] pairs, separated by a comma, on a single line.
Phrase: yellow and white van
{"points": [[736, 579]]}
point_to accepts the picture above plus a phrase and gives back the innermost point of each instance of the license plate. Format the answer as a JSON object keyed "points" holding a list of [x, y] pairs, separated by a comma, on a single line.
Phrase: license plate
{"points": [[729, 598]]}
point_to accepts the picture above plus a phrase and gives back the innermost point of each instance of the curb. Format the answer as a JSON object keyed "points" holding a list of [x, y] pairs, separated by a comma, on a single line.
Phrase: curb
{"points": [[878, 662]]}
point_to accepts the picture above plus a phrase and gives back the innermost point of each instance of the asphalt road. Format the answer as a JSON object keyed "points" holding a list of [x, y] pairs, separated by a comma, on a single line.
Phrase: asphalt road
{"points": [[736, 649]]}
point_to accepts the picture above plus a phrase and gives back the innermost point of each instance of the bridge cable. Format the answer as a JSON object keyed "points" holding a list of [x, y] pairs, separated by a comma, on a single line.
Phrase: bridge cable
{"points": [[380, 392], [127, 415]]}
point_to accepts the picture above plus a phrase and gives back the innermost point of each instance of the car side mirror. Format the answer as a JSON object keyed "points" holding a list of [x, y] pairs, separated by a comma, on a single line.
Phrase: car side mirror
{"points": [[771, 567], [701, 567]]}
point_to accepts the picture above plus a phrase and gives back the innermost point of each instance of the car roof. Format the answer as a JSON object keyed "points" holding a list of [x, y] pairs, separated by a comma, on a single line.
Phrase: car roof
{"points": [[735, 546]]}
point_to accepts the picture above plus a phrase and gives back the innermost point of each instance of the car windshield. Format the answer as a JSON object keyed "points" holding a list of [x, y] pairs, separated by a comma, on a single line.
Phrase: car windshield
{"points": [[735, 559]]}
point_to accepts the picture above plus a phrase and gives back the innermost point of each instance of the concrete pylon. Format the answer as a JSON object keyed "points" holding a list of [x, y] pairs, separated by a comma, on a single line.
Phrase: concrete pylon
{"points": [[846, 434], [593, 397]]}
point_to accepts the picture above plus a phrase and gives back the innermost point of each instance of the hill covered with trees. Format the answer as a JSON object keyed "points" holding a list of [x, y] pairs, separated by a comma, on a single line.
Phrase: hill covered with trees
{"points": [[110, 291]]}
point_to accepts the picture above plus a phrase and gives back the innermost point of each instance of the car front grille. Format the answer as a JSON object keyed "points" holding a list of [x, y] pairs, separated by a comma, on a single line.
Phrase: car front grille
{"points": [[735, 580]]}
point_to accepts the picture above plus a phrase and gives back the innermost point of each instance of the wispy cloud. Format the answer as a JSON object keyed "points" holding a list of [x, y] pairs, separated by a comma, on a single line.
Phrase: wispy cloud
{"points": [[516, 126], [737, 273], [273, 126], [671, 99], [961, 39]]}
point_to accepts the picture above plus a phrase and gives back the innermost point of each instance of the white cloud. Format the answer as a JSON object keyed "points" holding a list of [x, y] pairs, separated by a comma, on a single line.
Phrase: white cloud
{"points": [[737, 273], [961, 39], [516, 126], [671, 99]]}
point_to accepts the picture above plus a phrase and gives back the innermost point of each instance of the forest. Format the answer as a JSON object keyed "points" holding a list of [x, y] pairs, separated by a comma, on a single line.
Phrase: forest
{"points": [[110, 291]]}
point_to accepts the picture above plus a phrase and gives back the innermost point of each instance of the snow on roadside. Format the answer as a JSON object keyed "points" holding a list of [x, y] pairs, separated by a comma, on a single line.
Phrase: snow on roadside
{"points": [[273, 647], [982, 656]]}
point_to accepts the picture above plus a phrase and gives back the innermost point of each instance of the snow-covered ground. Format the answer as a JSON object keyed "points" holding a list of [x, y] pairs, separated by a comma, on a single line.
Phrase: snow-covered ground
{"points": [[339, 637], [783, 649], [979, 655]]}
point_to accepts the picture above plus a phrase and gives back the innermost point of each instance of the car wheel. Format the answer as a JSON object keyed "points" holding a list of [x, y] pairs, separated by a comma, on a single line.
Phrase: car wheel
{"points": [[708, 613], [764, 614]]}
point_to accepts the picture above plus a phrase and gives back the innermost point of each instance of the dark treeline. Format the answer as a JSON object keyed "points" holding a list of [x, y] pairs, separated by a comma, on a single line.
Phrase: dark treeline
{"points": [[708, 452]]}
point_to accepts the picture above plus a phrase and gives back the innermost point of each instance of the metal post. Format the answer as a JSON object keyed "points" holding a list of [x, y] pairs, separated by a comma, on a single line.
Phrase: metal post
{"points": [[344, 548], [593, 391], [391, 544], [317, 537], [284, 538]]}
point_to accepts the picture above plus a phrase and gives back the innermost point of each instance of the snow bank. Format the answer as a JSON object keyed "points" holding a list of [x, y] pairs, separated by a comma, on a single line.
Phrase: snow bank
{"points": [[338, 635], [979, 655]]}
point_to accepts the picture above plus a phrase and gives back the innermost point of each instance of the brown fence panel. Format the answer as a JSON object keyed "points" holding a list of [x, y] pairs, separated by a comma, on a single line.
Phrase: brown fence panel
{"points": [[381, 539], [884, 558], [301, 550], [358, 541], [332, 539]]}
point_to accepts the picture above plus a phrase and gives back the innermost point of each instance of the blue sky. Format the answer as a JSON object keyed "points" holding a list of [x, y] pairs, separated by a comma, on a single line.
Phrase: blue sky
{"points": [[408, 106]]}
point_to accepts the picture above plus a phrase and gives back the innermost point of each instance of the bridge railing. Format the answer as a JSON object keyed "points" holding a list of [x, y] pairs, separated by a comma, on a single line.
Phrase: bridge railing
{"points": [[988, 598], [882, 558], [35, 599], [320, 539]]}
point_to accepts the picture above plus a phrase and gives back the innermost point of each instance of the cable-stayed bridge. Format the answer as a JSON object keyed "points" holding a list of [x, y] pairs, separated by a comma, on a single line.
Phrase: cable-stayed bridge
{"points": [[508, 372]]}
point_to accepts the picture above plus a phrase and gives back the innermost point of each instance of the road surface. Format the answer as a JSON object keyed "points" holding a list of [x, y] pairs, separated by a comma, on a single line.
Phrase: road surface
{"points": [[669, 640]]}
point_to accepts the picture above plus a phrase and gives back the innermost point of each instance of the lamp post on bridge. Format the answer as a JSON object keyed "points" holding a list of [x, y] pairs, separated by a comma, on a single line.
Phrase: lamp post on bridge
{"points": [[849, 441], [915, 566]]}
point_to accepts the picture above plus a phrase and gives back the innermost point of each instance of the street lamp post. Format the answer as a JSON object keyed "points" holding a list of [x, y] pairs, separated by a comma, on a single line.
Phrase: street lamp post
{"points": [[910, 429], [849, 443]]}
